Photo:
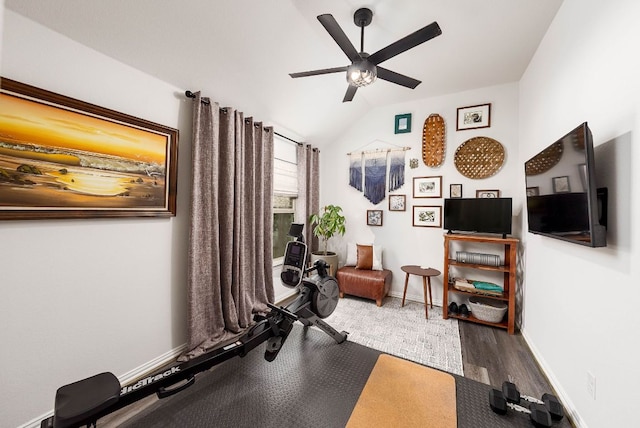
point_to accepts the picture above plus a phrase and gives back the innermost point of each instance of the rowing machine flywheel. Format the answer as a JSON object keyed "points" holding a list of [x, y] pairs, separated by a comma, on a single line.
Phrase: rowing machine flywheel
{"points": [[325, 297]]}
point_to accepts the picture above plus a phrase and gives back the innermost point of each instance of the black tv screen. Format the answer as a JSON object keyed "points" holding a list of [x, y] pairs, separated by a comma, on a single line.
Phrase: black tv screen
{"points": [[562, 198], [478, 215]]}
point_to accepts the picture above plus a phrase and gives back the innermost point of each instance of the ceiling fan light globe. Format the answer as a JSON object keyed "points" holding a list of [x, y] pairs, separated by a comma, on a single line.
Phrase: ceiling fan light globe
{"points": [[362, 74]]}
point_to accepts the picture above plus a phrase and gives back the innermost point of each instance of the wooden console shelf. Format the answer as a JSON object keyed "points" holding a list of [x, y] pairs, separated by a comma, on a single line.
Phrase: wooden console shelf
{"points": [[508, 270]]}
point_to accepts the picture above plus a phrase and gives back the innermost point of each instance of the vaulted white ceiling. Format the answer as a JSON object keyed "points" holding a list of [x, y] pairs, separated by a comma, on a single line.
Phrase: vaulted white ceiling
{"points": [[240, 53]]}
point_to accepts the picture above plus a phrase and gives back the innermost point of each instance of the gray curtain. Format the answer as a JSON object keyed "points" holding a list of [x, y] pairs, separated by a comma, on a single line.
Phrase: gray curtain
{"points": [[230, 250], [308, 190]]}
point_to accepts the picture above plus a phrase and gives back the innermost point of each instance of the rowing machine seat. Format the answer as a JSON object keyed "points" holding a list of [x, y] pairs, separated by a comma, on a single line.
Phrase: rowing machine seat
{"points": [[79, 400]]}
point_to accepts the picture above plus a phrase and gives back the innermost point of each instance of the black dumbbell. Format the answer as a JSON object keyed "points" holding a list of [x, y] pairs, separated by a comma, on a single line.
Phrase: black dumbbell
{"points": [[539, 415], [550, 402]]}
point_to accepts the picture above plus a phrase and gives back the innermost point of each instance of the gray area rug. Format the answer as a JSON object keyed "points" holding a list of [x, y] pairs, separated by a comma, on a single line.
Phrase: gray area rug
{"points": [[401, 331]]}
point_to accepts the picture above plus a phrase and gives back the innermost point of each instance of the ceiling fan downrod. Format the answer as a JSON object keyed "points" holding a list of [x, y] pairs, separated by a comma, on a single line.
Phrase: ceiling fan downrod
{"points": [[362, 18]]}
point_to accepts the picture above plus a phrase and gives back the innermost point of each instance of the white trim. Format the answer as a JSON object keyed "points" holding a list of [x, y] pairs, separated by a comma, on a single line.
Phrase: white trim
{"points": [[569, 408], [418, 298], [137, 373], [35, 423], [151, 366], [283, 298]]}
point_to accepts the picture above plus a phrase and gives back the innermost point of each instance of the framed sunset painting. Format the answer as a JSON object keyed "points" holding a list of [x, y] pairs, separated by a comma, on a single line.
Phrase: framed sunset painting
{"points": [[64, 158]]}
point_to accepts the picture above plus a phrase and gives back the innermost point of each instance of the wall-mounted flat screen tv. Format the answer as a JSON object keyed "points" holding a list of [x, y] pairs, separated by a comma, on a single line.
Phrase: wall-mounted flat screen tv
{"points": [[562, 199], [478, 215]]}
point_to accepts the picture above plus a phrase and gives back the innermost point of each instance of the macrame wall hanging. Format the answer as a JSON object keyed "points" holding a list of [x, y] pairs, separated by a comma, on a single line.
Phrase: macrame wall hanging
{"points": [[355, 171], [375, 176], [368, 172], [396, 170]]}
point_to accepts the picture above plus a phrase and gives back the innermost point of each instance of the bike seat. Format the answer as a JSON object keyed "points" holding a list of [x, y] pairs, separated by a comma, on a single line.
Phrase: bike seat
{"points": [[82, 399]]}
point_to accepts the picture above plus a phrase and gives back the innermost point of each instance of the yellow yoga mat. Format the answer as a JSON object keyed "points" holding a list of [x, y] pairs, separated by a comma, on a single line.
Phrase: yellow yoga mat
{"points": [[400, 393]]}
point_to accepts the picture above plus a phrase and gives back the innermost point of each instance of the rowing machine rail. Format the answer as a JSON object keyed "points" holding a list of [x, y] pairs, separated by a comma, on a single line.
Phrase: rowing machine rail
{"points": [[83, 402]]}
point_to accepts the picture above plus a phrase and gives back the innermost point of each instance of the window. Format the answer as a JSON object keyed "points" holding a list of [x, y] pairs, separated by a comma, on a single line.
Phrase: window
{"points": [[283, 216], [285, 193]]}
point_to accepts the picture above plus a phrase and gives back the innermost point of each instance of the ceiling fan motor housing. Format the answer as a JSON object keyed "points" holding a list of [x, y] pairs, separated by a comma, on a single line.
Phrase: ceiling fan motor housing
{"points": [[363, 17]]}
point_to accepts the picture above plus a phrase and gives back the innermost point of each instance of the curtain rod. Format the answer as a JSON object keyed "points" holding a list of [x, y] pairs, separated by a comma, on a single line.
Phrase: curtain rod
{"points": [[190, 94], [287, 138]]}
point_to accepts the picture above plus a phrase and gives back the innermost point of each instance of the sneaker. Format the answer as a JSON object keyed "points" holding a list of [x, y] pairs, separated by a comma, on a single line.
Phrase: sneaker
{"points": [[453, 308], [464, 311]]}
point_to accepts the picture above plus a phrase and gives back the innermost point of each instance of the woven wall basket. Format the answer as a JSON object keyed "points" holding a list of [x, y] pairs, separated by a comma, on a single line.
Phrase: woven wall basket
{"points": [[479, 157], [544, 160], [433, 141]]}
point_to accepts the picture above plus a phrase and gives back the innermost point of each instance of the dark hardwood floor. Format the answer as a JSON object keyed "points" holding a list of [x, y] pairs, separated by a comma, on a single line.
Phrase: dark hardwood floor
{"points": [[490, 355]]}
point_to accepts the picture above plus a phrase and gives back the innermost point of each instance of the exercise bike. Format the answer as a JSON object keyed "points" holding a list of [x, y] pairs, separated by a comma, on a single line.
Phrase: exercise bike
{"points": [[83, 402]]}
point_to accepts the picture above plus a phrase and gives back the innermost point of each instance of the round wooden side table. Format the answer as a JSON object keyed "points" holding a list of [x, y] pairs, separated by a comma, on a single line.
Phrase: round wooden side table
{"points": [[426, 275]]}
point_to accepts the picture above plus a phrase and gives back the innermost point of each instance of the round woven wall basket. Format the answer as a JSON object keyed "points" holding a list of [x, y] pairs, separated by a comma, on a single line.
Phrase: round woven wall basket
{"points": [[479, 157]]}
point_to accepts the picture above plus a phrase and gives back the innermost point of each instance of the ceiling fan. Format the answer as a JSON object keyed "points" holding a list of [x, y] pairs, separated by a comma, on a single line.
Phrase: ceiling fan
{"points": [[364, 68]]}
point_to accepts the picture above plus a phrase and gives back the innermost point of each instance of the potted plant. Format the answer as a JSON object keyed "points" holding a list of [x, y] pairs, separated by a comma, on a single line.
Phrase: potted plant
{"points": [[327, 224]]}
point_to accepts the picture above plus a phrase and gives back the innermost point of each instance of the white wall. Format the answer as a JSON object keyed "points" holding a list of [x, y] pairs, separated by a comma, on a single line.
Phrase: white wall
{"points": [[581, 303], [84, 296], [402, 243]]}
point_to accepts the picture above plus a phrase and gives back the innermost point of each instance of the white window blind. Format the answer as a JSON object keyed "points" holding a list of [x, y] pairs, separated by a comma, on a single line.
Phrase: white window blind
{"points": [[285, 177], [285, 168]]}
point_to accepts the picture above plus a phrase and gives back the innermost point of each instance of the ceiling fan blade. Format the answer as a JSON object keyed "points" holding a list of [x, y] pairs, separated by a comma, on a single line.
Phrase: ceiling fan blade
{"points": [[412, 40], [351, 91], [334, 30], [397, 78], [318, 72]]}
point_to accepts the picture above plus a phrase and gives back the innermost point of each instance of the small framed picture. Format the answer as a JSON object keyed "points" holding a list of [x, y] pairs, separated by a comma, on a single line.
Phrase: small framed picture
{"points": [[533, 191], [397, 202], [427, 216], [374, 217], [474, 117], [487, 193], [455, 190], [561, 184], [403, 123], [427, 187]]}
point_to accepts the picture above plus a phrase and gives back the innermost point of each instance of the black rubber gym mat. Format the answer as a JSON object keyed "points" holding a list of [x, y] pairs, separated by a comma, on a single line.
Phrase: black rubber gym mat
{"points": [[314, 382]]}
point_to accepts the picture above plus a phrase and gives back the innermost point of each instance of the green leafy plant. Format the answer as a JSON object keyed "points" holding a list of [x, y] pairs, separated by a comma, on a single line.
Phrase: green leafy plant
{"points": [[327, 224]]}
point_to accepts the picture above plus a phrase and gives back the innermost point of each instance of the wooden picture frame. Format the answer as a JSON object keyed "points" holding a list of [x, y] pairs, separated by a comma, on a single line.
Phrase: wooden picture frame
{"points": [[65, 158], [427, 216], [487, 193], [533, 191], [402, 123], [561, 184], [474, 117], [397, 202], [455, 190], [427, 187], [374, 217]]}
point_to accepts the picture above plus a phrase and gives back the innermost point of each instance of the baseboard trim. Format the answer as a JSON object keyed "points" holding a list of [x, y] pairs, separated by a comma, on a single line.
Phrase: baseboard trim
{"points": [[151, 366], [129, 377], [569, 408], [418, 298], [284, 298]]}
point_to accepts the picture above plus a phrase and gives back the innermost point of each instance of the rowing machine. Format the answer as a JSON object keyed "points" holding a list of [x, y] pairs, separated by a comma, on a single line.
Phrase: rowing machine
{"points": [[84, 402]]}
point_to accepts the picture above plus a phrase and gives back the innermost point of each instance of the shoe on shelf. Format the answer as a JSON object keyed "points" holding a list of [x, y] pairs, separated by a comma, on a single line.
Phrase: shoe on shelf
{"points": [[453, 308], [464, 311]]}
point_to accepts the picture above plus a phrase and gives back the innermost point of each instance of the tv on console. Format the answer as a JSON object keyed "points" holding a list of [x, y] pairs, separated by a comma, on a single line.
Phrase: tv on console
{"points": [[478, 215], [563, 201]]}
